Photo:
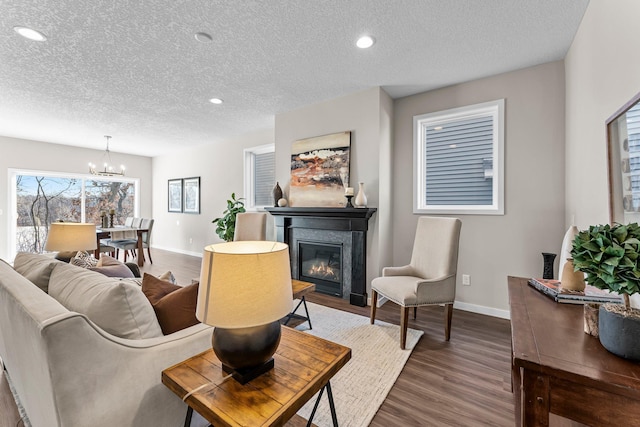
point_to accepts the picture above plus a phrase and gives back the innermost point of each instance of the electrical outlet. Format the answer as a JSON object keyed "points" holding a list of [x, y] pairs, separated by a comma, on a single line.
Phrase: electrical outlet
{"points": [[466, 280], [190, 240]]}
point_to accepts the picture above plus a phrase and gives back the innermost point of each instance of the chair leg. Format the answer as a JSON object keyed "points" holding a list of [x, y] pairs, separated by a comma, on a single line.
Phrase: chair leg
{"points": [[149, 253], [125, 255], [415, 312], [374, 304], [448, 312], [404, 320]]}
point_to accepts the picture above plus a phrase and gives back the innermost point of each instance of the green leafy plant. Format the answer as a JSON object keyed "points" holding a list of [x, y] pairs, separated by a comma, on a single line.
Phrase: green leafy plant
{"points": [[609, 256], [226, 225]]}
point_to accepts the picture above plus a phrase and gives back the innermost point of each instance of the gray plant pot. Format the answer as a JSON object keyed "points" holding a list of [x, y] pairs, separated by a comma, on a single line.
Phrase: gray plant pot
{"points": [[619, 334]]}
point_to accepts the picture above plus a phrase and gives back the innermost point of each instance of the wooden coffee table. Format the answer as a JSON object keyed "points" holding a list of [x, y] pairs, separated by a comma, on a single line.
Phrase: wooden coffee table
{"points": [[304, 364]]}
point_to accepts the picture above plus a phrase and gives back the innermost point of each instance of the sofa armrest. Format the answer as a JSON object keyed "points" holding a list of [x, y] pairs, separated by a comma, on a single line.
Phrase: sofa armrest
{"points": [[94, 372]]}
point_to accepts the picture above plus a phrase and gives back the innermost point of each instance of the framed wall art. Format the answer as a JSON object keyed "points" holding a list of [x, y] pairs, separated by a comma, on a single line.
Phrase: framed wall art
{"points": [[191, 192], [175, 195], [320, 170]]}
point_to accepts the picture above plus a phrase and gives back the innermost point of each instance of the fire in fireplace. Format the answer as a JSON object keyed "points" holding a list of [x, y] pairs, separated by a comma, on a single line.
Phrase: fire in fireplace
{"points": [[322, 265]]}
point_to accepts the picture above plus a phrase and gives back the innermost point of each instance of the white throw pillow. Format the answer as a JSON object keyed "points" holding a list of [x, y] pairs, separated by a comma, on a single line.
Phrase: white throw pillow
{"points": [[118, 307], [567, 246]]}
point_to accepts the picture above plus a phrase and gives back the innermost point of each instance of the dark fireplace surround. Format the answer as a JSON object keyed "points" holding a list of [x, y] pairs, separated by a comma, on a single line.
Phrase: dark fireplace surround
{"points": [[337, 229]]}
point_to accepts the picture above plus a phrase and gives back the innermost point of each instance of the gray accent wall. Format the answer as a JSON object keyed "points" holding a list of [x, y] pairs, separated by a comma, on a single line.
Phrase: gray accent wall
{"points": [[495, 246], [602, 73]]}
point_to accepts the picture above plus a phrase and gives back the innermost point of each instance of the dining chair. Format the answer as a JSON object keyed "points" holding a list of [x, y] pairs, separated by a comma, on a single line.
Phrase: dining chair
{"points": [[130, 245], [430, 277], [251, 226]]}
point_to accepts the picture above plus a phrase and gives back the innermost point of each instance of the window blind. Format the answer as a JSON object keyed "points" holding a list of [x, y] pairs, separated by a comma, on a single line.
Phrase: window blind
{"points": [[264, 178], [459, 162]]}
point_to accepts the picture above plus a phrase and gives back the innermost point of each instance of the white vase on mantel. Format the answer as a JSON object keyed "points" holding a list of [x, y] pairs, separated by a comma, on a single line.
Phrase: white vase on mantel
{"points": [[361, 198]]}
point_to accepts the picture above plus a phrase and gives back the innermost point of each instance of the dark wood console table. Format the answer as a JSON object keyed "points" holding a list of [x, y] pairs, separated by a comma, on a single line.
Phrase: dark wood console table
{"points": [[557, 368]]}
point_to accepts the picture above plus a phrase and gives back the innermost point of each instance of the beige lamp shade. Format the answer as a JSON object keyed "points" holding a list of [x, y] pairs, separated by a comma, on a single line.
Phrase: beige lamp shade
{"points": [[244, 284], [71, 236]]}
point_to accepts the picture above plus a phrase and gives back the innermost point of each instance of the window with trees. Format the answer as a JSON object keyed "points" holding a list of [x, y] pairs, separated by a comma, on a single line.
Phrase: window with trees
{"points": [[40, 198]]}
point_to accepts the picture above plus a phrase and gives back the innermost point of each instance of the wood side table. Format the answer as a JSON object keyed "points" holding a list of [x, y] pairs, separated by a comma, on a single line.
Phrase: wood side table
{"points": [[300, 289], [304, 364], [558, 369]]}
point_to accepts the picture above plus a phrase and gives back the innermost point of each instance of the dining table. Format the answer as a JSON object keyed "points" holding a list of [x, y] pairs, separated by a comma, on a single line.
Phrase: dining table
{"points": [[105, 233]]}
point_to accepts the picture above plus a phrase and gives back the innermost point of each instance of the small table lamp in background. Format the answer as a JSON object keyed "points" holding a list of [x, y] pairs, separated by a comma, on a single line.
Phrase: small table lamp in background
{"points": [[245, 289], [70, 237]]}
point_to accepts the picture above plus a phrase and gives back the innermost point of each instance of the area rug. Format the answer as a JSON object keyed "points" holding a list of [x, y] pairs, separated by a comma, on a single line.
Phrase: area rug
{"points": [[361, 386]]}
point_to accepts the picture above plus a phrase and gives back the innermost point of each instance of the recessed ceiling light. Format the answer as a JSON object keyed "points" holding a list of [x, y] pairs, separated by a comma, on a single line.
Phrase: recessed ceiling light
{"points": [[30, 34], [365, 42], [216, 101], [203, 37]]}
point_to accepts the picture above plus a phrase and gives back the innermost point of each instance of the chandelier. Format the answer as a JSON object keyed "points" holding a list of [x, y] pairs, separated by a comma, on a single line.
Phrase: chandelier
{"points": [[108, 169]]}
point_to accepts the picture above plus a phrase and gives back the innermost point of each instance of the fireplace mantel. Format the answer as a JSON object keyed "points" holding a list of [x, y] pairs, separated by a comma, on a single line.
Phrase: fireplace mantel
{"points": [[348, 225]]}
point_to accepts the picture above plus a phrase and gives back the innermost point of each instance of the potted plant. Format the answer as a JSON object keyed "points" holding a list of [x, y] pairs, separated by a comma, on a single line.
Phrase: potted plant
{"points": [[609, 255], [226, 226]]}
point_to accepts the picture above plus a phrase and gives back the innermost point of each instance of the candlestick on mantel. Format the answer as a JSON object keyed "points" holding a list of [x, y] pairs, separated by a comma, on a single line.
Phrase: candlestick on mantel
{"points": [[348, 191]]}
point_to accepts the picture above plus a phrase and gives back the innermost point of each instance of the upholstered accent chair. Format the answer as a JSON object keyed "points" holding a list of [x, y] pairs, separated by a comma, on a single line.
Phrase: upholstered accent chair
{"points": [[251, 226], [429, 279]]}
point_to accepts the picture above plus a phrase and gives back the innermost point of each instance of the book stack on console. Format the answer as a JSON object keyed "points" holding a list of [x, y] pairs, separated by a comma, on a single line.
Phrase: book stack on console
{"points": [[591, 294]]}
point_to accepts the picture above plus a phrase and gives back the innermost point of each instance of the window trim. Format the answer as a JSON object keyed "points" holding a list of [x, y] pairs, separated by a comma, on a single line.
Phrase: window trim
{"points": [[249, 174], [13, 199], [493, 108]]}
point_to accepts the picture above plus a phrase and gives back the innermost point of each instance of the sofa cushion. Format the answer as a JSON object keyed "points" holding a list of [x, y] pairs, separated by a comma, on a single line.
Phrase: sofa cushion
{"points": [[116, 306], [174, 305], [35, 267], [111, 267]]}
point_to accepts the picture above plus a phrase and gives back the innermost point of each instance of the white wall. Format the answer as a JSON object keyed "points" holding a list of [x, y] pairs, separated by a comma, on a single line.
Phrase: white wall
{"points": [[368, 115], [602, 74], [26, 154], [494, 246], [220, 168]]}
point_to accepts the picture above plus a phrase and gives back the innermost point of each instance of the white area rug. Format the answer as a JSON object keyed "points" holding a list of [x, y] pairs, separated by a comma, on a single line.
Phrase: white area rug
{"points": [[361, 386]]}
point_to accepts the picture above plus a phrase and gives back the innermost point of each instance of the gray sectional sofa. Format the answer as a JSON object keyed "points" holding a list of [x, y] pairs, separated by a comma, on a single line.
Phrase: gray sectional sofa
{"points": [[83, 349]]}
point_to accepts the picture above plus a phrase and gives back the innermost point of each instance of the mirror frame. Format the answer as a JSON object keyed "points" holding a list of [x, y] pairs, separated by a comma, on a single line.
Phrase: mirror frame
{"points": [[615, 173]]}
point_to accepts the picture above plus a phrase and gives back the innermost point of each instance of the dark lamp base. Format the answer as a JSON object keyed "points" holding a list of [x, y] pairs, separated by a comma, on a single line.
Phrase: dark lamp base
{"points": [[246, 352], [244, 375]]}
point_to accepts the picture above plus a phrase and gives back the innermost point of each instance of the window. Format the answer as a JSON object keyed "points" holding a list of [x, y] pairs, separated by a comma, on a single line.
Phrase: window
{"points": [[259, 176], [459, 162], [40, 198]]}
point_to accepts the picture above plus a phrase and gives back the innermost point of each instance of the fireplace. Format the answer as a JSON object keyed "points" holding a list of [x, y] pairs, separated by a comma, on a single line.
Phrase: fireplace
{"points": [[322, 265], [327, 247]]}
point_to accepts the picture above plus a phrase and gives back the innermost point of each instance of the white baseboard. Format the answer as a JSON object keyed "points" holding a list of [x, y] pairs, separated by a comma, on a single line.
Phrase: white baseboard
{"points": [[473, 308], [180, 251], [481, 309]]}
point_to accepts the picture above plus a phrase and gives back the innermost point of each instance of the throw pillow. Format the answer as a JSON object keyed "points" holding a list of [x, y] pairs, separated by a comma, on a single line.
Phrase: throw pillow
{"points": [[84, 259], [35, 267], [175, 306], [111, 267], [116, 306]]}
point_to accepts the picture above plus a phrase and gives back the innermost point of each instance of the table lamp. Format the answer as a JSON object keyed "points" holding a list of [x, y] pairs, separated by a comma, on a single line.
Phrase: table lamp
{"points": [[70, 237], [245, 289]]}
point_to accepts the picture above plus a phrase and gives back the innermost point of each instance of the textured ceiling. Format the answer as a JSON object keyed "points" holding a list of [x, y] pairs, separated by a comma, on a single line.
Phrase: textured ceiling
{"points": [[133, 69]]}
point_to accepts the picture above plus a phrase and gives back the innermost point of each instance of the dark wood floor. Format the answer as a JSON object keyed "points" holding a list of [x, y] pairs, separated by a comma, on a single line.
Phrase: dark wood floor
{"points": [[463, 382]]}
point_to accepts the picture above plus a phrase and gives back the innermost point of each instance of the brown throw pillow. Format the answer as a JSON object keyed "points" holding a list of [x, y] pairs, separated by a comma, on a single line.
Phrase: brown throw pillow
{"points": [[111, 267], [175, 306]]}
